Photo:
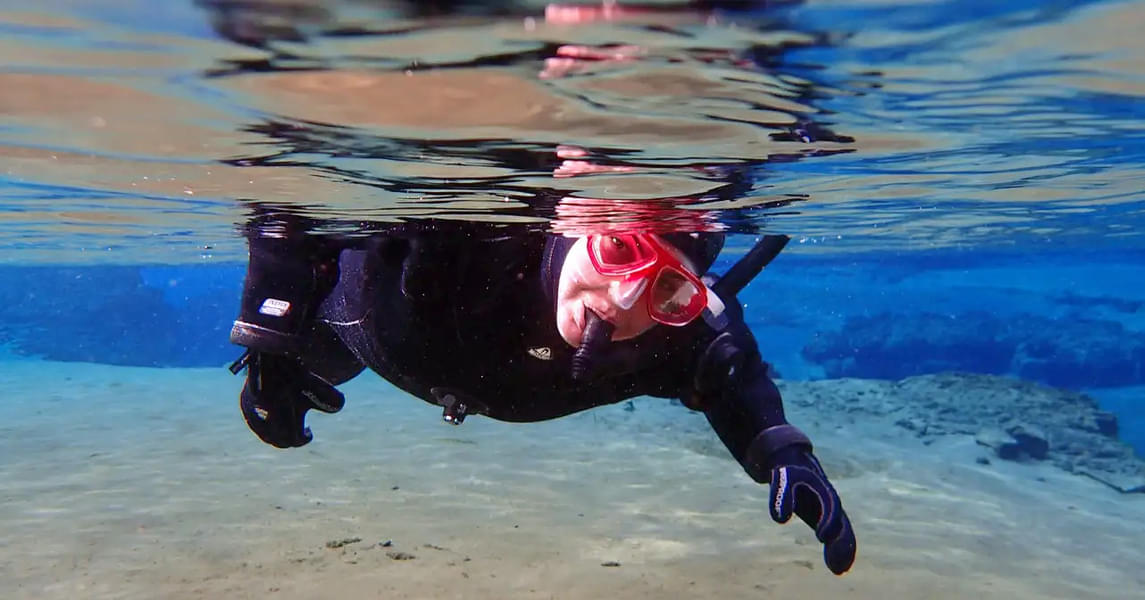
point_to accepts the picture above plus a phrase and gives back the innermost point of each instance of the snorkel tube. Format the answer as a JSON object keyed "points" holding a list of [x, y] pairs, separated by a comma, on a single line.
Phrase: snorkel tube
{"points": [[761, 254], [593, 343]]}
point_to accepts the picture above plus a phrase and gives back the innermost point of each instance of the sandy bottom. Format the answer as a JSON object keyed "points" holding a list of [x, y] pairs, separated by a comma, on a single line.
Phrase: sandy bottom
{"points": [[144, 483]]}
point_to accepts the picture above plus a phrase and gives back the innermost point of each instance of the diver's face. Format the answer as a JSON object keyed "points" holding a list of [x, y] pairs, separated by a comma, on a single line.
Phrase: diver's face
{"points": [[581, 287]]}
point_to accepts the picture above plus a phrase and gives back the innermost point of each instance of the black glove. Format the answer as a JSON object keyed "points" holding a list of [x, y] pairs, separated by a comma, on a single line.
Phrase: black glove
{"points": [[277, 394], [799, 486]]}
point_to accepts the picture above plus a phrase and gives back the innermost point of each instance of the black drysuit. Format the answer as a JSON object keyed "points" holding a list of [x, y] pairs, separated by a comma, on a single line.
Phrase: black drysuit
{"points": [[462, 315]]}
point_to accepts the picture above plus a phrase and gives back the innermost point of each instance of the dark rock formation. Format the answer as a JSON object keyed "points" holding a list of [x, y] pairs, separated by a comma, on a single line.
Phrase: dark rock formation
{"points": [[109, 314], [1072, 353], [1020, 420], [1030, 440], [1003, 444]]}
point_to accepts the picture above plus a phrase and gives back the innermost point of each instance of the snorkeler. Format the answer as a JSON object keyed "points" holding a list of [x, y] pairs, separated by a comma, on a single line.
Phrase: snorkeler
{"points": [[521, 325]]}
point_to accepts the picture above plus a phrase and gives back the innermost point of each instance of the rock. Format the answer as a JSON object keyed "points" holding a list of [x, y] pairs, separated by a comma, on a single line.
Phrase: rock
{"points": [[1002, 443], [81, 314], [1124, 482], [1016, 419], [1073, 353], [916, 425], [334, 544], [1031, 441], [1106, 423]]}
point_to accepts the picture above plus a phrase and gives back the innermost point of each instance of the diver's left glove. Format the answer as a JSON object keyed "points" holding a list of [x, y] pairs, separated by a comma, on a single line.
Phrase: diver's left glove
{"points": [[277, 394], [799, 486]]}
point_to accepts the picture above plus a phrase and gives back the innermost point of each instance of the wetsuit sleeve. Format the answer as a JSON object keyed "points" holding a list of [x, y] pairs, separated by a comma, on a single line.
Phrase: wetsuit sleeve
{"points": [[293, 360], [745, 408], [736, 394]]}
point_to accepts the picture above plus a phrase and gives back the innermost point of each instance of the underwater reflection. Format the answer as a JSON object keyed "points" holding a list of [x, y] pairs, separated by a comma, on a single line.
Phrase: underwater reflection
{"points": [[386, 111], [415, 113]]}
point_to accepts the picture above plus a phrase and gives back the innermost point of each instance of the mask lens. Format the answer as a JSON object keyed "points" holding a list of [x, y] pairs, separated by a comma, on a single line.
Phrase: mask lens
{"points": [[618, 254], [675, 299]]}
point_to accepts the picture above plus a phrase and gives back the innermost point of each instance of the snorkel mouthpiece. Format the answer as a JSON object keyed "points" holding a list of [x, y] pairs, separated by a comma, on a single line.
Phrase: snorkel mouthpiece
{"points": [[597, 335]]}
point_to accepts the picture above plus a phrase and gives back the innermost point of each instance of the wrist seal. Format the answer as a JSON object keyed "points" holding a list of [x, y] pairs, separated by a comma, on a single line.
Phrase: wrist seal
{"points": [[769, 442]]}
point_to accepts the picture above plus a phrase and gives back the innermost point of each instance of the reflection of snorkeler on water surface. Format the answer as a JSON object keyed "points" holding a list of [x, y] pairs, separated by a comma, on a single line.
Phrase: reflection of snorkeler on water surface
{"points": [[521, 325], [434, 109], [463, 115]]}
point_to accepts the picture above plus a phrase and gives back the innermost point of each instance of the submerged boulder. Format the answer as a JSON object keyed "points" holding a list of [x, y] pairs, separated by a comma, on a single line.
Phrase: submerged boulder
{"points": [[1031, 440], [1019, 420], [1002, 443], [112, 315]]}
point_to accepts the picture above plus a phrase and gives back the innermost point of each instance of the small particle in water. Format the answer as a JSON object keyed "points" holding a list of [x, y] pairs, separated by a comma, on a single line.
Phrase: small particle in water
{"points": [[610, 563], [387, 543]]}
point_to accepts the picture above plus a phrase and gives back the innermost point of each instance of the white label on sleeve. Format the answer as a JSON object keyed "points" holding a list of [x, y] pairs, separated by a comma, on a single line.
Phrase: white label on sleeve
{"points": [[274, 307]]}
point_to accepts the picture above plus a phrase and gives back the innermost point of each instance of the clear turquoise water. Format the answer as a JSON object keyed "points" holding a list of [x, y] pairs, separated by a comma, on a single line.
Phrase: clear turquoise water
{"points": [[968, 172]]}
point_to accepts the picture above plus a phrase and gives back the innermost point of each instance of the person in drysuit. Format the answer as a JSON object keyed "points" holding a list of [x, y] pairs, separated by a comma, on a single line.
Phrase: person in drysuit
{"points": [[522, 325]]}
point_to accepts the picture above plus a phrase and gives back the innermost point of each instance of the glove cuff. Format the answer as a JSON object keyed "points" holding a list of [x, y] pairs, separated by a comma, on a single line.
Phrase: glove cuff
{"points": [[769, 442]]}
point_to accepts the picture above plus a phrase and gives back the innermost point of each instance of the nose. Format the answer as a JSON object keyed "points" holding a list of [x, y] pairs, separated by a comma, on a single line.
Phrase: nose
{"points": [[626, 293]]}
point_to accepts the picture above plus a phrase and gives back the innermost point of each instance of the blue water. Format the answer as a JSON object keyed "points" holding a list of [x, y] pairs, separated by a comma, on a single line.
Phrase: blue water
{"points": [[961, 179]]}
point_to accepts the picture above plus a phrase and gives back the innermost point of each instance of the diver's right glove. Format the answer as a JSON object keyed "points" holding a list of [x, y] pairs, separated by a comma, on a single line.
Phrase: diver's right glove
{"points": [[799, 486], [277, 394]]}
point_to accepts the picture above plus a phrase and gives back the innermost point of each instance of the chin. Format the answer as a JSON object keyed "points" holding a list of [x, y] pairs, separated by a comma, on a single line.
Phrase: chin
{"points": [[628, 333], [568, 328]]}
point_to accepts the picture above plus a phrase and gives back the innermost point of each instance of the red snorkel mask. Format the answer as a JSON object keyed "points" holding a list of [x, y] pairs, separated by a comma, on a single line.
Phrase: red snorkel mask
{"points": [[647, 267]]}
